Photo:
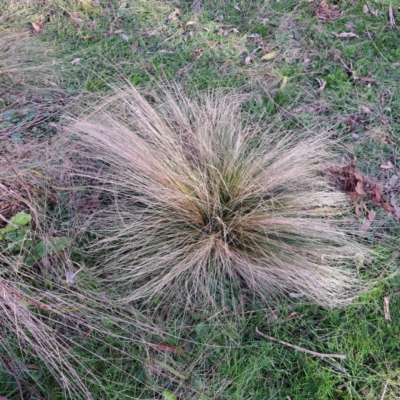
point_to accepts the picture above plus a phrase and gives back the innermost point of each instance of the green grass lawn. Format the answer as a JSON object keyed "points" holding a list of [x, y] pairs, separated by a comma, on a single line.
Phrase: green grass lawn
{"points": [[302, 76]]}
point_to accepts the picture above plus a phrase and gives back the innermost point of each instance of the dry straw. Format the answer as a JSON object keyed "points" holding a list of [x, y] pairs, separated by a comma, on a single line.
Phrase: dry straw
{"points": [[199, 199]]}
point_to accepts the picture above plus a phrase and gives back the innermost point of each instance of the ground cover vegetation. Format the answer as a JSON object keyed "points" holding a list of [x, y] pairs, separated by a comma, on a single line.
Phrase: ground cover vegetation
{"points": [[133, 255]]}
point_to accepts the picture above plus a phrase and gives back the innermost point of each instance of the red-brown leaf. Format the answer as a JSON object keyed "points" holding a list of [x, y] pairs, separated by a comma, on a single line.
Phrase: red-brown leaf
{"points": [[166, 347], [359, 189], [387, 207]]}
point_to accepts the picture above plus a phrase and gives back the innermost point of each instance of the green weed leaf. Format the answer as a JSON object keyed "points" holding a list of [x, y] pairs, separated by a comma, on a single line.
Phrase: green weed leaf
{"points": [[168, 395], [21, 219]]}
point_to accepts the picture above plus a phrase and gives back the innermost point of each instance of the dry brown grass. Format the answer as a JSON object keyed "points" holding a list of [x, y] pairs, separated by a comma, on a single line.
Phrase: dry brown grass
{"points": [[203, 200]]}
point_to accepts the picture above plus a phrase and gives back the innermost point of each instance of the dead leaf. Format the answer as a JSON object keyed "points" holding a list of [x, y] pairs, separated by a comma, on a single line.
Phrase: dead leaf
{"points": [[196, 6], [75, 61], [364, 109], [387, 207], [174, 14], [386, 308], [388, 165], [392, 21], [395, 206], [309, 108], [247, 61], [344, 35], [378, 195], [196, 54], [77, 18], [392, 181], [93, 24], [226, 32], [365, 225], [166, 347], [371, 215], [367, 79], [326, 13], [237, 8], [37, 27], [322, 84], [358, 176], [190, 23], [359, 189], [184, 69], [170, 369], [284, 82], [358, 210], [166, 51], [269, 56], [367, 8]]}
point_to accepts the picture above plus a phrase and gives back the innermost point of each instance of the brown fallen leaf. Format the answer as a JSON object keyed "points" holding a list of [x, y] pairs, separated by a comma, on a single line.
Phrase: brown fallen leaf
{"points": [[367, 8], [351, 181], [388, 165], [196, 54], [367, 79], [326, 13], [387, 207], [395, 206], [309, 108], [392, 181], [174, 14], [37, 27], [269, 56], [190, 23], [75, 61], [166, 347], [77, 18], [364, 109], [226, 32], [358, 176], [386, 308], [371, 215], [196, 6], [344, 35], [378, 195], [247, 60], [359, 189], [184, 69], [365, 225]]}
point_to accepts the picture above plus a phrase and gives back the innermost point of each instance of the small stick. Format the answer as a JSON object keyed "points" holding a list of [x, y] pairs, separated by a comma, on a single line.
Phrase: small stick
{"points": [[392, 21], [313, 353]]}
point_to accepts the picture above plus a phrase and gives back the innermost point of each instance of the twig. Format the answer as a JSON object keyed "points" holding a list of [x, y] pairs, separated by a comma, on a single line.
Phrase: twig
{"points": [[341, 370], [313, 353], [5, 366], [322, 356], [384, 390]]}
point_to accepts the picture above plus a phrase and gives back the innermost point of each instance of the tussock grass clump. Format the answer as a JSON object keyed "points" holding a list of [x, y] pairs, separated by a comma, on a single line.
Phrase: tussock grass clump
{"points": [[203, 200]]}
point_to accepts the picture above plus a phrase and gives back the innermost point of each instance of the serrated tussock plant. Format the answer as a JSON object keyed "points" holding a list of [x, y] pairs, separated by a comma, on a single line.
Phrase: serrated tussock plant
{"points": [[202, 199]]}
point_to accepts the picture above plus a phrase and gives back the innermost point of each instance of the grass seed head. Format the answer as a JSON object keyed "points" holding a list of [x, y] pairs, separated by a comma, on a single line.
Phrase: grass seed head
{"points": [[203, 199]]}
